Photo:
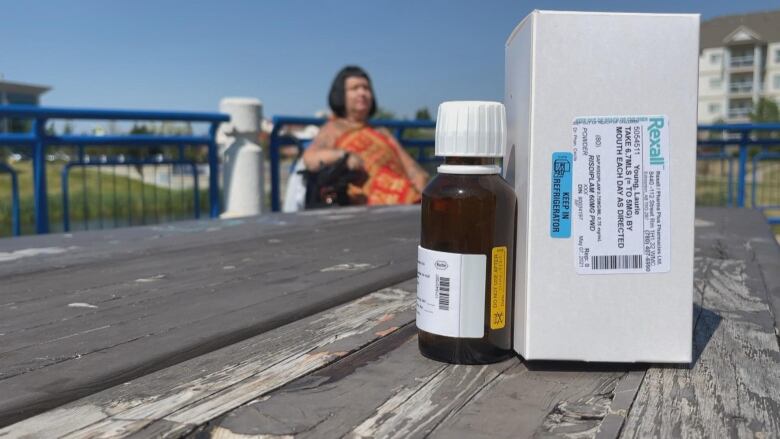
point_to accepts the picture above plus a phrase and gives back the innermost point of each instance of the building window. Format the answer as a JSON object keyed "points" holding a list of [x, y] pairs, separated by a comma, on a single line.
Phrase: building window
{"points": [[715, 82], [714, 108], [777, 56], [776, 82], [715, 58]]}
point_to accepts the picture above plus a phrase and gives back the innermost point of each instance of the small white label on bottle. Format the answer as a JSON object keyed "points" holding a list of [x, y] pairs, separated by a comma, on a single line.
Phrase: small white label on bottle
{"points": [[621, 194], [451, 293]]}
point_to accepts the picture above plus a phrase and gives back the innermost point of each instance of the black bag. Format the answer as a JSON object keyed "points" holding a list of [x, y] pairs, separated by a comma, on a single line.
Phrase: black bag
{"points": [[328, 186]]}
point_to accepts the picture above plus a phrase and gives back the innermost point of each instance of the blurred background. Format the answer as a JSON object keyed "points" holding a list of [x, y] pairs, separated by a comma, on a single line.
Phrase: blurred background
{"points": [[73, 169]]}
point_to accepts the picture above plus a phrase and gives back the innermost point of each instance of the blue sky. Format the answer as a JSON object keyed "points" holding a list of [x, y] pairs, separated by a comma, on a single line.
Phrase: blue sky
{"points": [[187, 55]]}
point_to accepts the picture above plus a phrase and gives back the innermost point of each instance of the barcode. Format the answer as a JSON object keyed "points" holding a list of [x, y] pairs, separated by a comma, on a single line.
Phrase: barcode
{"points": [[615, 262], [443, 288]]}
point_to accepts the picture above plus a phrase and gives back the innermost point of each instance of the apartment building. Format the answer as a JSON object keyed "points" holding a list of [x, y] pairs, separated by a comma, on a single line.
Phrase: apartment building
{"points": [[739, 63]]}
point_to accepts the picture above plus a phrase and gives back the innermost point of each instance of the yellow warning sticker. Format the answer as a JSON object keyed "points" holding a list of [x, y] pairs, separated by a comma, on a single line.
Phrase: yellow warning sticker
{"points": [[498, 288]]}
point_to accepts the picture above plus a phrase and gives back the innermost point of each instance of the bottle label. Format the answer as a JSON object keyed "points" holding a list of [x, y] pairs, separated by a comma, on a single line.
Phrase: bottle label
{"points": [[451, 293], [498, 288], [621, 194]]}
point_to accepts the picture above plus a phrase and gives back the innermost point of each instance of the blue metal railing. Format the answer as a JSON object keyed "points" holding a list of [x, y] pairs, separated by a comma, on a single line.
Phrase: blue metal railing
{"points": [[729, 144], [741, 138], [38, 140], [398, 127]]}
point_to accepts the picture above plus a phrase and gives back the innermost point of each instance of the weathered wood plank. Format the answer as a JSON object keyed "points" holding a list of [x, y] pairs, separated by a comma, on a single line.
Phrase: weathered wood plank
{"points": [[115, 282], [748, 227], [111, 248], [387, 387], [192, 275], [175, 300], [150, 280], [177, 399], [553, 400], [390, 390], [731, 390], [623, 399]]}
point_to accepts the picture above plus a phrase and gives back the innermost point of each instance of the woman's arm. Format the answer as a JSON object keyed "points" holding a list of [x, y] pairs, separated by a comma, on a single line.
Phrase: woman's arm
{"points": [[414, 171], [322, 151]]}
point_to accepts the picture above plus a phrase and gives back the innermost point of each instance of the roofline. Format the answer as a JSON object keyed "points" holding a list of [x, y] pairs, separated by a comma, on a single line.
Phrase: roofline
{"points": [[744, 21], [16, 87], [756, 37]]}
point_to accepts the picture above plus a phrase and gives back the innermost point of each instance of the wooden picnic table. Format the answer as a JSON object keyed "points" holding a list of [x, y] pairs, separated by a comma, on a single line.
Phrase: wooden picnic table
{"points": [[303, 325]]}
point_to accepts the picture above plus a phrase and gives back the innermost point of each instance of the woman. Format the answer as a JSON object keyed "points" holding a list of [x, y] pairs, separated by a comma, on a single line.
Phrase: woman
{"points": [[393, 177]]}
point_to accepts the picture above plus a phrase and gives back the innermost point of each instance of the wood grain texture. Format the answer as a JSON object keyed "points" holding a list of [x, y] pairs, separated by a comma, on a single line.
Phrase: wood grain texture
{"points": [[732, 388], [390, 390], [355, 370], [547, 402], [175, 400], [37, 253], [162, 301]]}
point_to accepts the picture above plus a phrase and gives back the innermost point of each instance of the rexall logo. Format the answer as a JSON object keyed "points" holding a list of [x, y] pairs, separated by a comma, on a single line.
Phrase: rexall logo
{"points": [[654, 132]]}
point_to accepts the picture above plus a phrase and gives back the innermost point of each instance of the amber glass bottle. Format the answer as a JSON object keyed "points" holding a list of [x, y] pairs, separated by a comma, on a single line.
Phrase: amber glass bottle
{"points": [[466, 254]]}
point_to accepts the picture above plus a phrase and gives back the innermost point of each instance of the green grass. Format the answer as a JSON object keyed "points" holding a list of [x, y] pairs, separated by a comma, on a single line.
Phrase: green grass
{"points": [[112, 200], [712, 187], [711, 191]]}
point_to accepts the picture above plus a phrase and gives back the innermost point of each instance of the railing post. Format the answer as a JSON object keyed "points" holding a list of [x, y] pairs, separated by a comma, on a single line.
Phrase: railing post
{"points": [[243, 164], [275, 163], [15, 213], [16, 228], [196, 189], [65, 199], [213, 173], [39, 177], [730, 196], [742, 167]]}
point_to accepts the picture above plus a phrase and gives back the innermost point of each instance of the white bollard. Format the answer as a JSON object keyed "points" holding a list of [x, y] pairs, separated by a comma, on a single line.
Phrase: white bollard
{"points": [[242, 157]]}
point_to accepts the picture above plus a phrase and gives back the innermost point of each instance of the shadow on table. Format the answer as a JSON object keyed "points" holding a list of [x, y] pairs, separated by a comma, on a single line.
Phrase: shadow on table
{"points": [[706, 322]]}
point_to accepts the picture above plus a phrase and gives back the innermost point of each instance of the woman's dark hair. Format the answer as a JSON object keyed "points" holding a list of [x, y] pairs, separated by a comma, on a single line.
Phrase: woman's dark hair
{"points": [[337, 99]]}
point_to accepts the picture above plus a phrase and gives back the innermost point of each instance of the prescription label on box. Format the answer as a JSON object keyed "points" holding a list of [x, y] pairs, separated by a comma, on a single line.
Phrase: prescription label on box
{"points": [[621, 194]]}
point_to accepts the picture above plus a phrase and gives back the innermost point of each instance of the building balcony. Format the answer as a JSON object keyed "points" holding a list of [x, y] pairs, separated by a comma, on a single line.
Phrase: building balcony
{"points": [[742, 61], [740, 112], [741, 87]]}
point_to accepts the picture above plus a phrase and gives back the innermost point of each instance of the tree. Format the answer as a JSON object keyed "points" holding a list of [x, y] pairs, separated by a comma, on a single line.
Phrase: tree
{"points": [[423, 114], [140, 154], [766, 110], [141, 129], [384, 114]]}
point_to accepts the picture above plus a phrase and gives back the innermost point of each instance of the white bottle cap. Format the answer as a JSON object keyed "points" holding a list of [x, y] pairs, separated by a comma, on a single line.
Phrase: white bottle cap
{"points": [[471, 129]]}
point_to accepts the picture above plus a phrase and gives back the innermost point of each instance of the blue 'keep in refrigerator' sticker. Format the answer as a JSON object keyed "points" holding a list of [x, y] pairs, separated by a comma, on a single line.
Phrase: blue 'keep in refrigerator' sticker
{"points": [[560, 196]]}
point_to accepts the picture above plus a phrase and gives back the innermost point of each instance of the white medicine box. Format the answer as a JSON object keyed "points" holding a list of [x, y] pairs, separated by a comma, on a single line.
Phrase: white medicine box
{"points": [[601, 116]]}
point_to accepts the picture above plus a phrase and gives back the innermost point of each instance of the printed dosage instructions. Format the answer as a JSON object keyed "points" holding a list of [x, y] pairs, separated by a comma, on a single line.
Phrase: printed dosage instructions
{"points": [[621, 194]]}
